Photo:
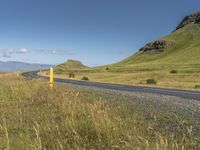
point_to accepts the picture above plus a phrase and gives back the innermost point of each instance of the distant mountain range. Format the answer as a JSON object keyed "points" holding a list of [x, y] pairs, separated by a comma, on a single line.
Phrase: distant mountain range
{"points": [[13, 66]]}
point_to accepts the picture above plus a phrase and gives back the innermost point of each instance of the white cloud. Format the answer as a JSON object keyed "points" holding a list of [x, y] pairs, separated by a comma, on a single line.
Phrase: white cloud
{"points": [[9, 52], [54, 52], [7, 55], [22, 50]]}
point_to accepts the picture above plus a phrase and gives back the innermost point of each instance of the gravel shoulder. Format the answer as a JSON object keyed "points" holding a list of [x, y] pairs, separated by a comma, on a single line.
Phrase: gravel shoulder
{"points": [[171, 101]]}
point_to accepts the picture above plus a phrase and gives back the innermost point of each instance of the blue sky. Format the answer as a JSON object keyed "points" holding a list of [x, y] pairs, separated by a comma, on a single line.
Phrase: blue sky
{"points": [[95, 32]]}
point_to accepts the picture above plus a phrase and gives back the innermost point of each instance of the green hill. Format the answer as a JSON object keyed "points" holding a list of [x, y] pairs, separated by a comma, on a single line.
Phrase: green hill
{"points": [[181, 47], [70, 65]]}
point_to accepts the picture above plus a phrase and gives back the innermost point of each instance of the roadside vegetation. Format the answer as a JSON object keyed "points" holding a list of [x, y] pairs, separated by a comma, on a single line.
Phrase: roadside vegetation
{"points": [[173, 71], [71, 75], [151, 81], [186, 78], [85, 78], [34, 117]]}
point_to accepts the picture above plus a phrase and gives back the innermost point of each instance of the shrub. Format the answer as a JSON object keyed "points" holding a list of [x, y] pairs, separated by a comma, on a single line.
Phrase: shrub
{"points": [[71, 75], [151, 81], [85, 78], [107, 68], [60, 70], [197, 87], [173, 71]]}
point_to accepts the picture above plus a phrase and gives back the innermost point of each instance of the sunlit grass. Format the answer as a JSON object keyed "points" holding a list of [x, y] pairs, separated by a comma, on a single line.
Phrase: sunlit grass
{"points": [[34, 117], [186, 78]]}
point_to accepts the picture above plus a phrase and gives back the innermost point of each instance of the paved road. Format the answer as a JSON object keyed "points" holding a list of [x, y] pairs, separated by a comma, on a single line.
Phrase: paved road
{"points": [[161, 91]]}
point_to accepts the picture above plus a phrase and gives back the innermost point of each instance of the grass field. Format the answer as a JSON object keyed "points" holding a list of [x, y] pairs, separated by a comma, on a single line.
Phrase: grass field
{"points": [[34, 117], [180, 80]]}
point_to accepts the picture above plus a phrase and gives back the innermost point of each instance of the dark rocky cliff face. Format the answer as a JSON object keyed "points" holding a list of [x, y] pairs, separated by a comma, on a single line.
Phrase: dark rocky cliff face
{"points": [[157, 46], [193, 18]]}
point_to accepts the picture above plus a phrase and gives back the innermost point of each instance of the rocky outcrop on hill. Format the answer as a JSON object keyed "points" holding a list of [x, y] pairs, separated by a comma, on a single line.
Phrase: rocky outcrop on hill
{"points": [[193, 18], [157, 46]]}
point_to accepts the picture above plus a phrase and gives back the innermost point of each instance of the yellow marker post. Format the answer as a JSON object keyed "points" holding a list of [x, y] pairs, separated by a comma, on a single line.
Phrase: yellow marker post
{"points": [[51, 82], [18, 74]]}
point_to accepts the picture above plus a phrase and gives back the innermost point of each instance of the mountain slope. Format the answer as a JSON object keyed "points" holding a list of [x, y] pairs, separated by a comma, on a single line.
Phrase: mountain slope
{"points": [[183, 46], [70, 65]]}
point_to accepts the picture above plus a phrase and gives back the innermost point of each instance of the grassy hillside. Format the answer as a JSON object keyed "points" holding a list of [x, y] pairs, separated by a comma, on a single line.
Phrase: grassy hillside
{"points": [[184, 50], [173, 61], [34, 117], [70, 65]]}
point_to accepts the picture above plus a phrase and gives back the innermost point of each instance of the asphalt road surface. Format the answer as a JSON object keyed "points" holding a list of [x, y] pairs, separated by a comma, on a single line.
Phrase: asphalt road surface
{"points": [[160, 91]]}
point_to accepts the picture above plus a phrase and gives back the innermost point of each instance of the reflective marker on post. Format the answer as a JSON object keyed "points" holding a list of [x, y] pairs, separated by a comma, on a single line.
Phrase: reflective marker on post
{"points": [[51, 79]]}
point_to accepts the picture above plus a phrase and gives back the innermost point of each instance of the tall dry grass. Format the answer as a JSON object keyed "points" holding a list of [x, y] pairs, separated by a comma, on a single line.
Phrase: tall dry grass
{"points": [[34, 117]]}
